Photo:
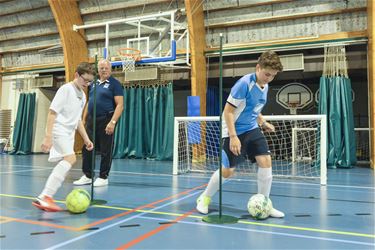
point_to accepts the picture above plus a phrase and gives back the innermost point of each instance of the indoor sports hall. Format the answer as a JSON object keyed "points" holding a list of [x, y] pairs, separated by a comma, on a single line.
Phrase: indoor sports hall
{"points": [[112, 114]]}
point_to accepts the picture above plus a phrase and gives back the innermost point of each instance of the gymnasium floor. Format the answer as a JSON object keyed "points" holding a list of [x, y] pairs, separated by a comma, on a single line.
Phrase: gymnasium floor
{"points": [[148, 208]]}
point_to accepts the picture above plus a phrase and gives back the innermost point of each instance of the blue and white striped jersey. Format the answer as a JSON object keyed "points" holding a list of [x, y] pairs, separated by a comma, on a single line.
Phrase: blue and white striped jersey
{"points": [[249, 100]]}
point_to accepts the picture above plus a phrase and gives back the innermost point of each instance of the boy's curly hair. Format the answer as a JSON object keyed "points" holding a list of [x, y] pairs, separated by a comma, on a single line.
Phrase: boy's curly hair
{"points": [[270, 59]]}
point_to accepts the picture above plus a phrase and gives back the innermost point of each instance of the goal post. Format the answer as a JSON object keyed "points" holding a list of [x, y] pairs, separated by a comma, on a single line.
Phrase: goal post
{"points": [[182, 135], [298, 146]]}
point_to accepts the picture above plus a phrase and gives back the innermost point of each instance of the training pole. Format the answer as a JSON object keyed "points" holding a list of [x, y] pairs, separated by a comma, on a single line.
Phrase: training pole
{"points": [[220, 219], [93, 154]]}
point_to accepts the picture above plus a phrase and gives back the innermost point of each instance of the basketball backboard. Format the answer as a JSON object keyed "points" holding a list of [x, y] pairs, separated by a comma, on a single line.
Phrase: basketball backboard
{"points": [[158, 36], [294, 96]]}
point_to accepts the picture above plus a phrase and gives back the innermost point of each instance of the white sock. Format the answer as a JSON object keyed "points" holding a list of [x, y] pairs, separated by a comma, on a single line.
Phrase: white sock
{"points": [[213, 184], [264, 181], [56, 178]]}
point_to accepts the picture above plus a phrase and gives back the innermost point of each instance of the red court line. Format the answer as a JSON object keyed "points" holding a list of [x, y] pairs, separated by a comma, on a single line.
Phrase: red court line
{"points": [[8, 219], [156, 230], [41, 223], [139, 208], [5, 220]]}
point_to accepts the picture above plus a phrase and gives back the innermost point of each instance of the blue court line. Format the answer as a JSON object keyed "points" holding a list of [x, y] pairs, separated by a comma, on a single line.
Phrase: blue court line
{"points": [[26, 170], [266, 232], [119, 222], [233, 180]]}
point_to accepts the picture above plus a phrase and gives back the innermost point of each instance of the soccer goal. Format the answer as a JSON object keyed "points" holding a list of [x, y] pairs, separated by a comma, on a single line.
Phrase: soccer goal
{"points": [[298, 146]]}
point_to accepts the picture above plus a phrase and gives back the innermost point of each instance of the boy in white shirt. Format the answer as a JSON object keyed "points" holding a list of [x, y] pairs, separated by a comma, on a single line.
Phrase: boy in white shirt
{"points": [[63, 119]]}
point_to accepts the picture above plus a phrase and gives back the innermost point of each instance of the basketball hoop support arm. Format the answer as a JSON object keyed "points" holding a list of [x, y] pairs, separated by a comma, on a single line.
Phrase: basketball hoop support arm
{"points": [[133, 21], [172, 57]]}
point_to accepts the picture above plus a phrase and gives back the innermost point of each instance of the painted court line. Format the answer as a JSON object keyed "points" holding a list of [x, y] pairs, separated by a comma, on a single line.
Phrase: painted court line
{"points": [[266, 232], [90, 225], [205, 224], [318, 230], [5, 219], [155, 231], [234, 180], [310, 229], [141, 207], [119, 222], [28, 170], [27, 166], [41, 223]]}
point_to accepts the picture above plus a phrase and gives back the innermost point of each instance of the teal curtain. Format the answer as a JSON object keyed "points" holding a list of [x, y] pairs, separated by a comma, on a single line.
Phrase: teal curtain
{"points": [[145, 129], [23, 128], [335, 100]]}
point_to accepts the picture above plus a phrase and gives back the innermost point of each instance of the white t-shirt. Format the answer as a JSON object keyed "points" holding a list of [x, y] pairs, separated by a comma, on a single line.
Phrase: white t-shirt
{"points": [[68, 103]]}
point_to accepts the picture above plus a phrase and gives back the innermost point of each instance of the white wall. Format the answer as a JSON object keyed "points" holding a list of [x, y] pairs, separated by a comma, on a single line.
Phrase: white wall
{"points": [[43, 101], [10, 98]]}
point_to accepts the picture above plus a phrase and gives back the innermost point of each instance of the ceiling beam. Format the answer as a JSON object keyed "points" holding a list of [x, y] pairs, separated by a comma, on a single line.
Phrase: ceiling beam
{"points": [[31, 68], [295, 43], [74, 45], [34, 16], [67, 14], [245, 5], [26, 36], [119, 5], [26, 9], [227, 24]]}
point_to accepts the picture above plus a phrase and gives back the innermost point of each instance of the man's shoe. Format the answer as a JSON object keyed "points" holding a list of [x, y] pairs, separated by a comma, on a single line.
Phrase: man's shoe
{"points": [[100, 182], [47, 204], [83, 181], [202, 204], [276, 213]]}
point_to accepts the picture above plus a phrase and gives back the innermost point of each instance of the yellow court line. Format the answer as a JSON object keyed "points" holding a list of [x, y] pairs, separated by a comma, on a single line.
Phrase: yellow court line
{"points": [[5, 219], [253, 223], [18, 196], [309, 229], [240, 221]]}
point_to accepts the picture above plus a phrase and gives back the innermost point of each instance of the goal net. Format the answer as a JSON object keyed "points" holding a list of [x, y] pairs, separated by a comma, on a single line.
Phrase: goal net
{"points": [[298, 146]]}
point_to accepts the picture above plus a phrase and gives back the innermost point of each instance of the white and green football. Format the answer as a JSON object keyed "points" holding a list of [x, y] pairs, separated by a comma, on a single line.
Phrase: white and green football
{"points": [[259, 206]]}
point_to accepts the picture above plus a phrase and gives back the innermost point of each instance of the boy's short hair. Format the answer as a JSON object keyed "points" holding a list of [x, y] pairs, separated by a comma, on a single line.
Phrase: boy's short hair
{"points": [[85, 68], [270, 59]]}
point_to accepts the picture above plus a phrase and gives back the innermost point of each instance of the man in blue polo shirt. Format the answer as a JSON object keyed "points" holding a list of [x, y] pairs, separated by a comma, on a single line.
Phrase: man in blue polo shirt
{"points": [[241, 130], [109, 106]]}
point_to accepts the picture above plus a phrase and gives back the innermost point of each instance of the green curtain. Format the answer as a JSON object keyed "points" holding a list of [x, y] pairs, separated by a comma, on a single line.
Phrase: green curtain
{"points": [[335, 100], [23, 128], [145, 129]]}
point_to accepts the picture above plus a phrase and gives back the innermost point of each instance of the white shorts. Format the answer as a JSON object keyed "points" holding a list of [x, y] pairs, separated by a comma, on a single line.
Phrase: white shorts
{"points": [[61, 146]]}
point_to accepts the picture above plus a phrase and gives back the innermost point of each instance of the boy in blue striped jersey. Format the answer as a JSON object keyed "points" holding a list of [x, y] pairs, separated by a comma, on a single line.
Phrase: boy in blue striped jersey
{"points": [[241, 130]]}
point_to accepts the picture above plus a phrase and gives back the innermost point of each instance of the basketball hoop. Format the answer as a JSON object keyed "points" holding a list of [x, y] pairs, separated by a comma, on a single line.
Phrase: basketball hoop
{"points": [[128, 57], [293, 107]]}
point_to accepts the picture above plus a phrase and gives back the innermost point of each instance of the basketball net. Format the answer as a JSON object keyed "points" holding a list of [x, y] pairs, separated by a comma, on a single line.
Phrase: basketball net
{"points": [[128, 57], [293, 107]]}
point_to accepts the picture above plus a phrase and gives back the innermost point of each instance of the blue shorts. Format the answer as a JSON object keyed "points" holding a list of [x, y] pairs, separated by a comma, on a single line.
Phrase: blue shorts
{"points": [[253, 143]]}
